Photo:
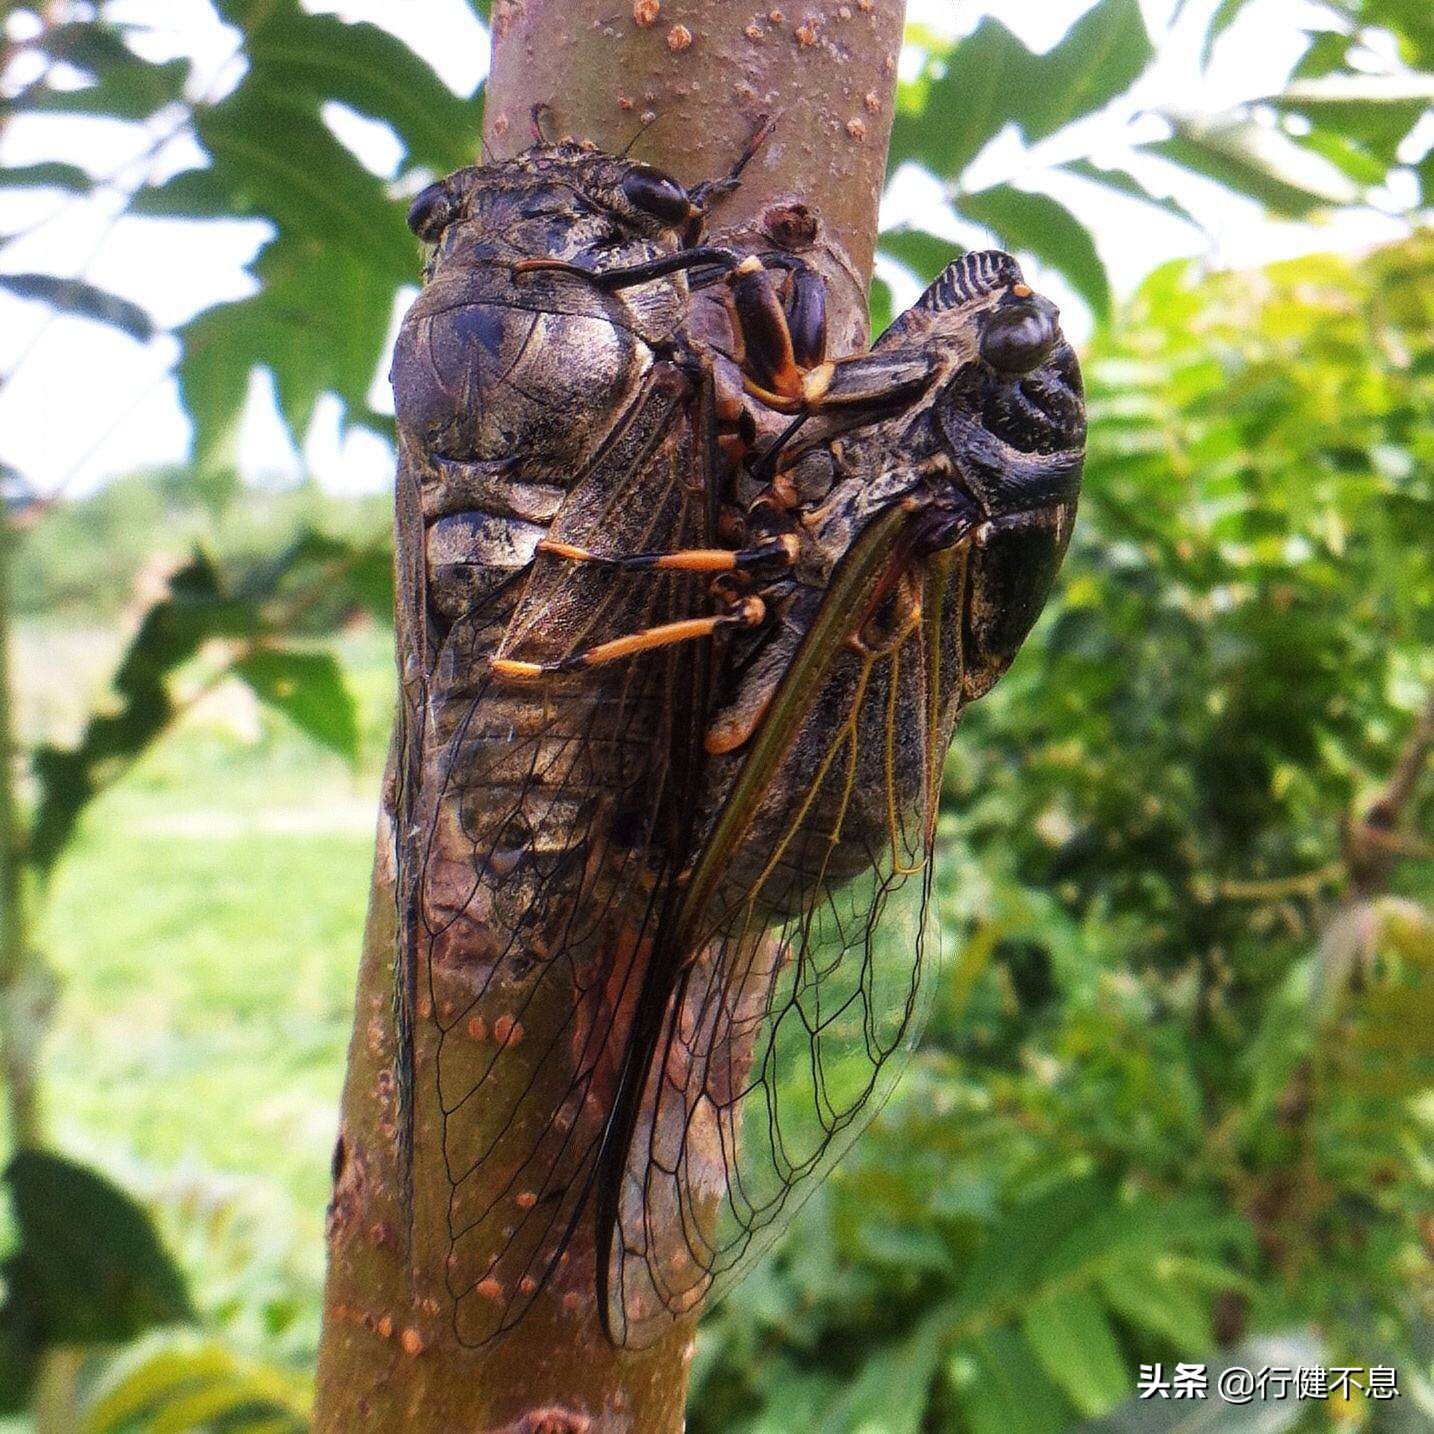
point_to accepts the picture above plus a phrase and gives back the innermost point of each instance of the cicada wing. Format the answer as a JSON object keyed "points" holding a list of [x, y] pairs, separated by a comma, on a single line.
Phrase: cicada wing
{"points": [[808, 913], [553, 832], [411, 632]]}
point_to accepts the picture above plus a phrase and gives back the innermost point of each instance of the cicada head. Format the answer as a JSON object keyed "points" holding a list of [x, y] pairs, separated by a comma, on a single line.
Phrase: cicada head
{"points": [[1010, 417], [561, 201]]}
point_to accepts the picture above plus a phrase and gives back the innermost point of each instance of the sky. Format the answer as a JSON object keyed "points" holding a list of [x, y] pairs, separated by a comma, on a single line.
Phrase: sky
{"points": [[82, 403]]}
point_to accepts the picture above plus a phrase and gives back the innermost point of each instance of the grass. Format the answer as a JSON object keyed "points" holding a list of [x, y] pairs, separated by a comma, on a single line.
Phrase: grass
{"points": [[205, 931]]}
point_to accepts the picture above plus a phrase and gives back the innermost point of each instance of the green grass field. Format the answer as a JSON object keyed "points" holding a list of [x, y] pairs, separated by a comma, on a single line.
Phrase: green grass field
{"points": [[205, 931]]}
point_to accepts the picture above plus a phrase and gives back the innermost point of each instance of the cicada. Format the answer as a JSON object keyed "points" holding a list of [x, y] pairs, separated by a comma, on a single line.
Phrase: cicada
{"points": [[677, 684]]}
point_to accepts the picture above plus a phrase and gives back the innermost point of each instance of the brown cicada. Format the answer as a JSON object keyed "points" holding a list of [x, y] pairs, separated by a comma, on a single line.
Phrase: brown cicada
{"points": [[663, 797]]}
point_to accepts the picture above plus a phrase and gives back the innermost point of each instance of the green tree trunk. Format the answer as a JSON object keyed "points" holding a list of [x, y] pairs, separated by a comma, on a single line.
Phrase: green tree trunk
{"points": [[700, 74]]}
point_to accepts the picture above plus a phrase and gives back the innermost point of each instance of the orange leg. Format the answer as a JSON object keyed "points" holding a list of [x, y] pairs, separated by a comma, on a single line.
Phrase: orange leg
{"points": [[781, 550], [747, 613]]}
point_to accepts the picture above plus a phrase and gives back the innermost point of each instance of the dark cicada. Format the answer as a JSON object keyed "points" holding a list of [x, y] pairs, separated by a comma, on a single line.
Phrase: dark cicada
{"points": [[547, 398], [649, 885], [925, 543]]}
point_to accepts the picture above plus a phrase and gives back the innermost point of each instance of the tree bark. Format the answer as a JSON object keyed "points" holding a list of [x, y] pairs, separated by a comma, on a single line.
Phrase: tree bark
{"points": [[696, 78], [699, 75]]}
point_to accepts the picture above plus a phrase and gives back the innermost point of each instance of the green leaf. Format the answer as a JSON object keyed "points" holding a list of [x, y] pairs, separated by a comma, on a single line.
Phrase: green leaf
{"points": [[1006, 1390], [185, 1383], [793, 1401], [990, 80], [20, 1352], [204, 193], [879, 307], [1349, 157], [123, 85], [319, 321], [1007, 1267], [48, 174], [1162, 1304], [1411, 24], [1124, 182], [959, 113], [1100, 57], [1226, 13], [168, 636], [1253, 160], [1376, 111], [891, 1393], [274, 158], [321, 315], [89, 1267], [309, 688], [361, 573], [148, 1377], [371, 71], [82, 300], [260, 611], [1143, 1228], [1042, 226], [1072, 1338]]}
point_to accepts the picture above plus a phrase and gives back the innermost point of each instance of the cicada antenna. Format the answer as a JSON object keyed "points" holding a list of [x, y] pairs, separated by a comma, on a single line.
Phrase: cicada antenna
{"points": [[706, 193], [642, 130], [760, 135]]}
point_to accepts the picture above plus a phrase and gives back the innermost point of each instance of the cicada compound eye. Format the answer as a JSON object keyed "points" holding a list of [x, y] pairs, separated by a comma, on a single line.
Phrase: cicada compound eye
{"points": [[1019, 337], [657, 194], [431, 211]]}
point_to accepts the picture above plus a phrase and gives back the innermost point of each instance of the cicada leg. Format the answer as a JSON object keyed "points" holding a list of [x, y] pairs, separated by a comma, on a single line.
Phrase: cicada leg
{"points": [[779, 326], [781, 550], [741, 611], [893, 617], [626, 276], [748, 612], [706, 194], [779, 336]]}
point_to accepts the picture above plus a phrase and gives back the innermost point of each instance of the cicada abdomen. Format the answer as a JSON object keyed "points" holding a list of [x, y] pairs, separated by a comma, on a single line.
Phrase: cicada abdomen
{"points": [[928, 540]]}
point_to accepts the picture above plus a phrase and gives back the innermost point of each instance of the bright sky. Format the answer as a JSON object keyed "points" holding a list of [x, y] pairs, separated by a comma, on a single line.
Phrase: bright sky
{"points": [[83, 403]]}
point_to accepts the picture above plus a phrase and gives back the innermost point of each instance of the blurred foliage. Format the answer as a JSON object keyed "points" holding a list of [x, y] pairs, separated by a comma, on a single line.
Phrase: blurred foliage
{"points": [[1173, 1090], [1177, 1086], [243, 628], [63, 1286], [85, 563], [327, 278], [175, 1385], [1329, 138]]}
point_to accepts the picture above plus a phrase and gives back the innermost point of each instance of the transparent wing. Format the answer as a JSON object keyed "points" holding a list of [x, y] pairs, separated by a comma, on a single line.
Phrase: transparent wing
{"points": [[541, 857], [807, 910]]}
